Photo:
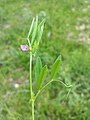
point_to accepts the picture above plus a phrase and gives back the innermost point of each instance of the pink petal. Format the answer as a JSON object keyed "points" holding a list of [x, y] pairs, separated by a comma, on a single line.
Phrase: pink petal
{"points": [[24, 48]]}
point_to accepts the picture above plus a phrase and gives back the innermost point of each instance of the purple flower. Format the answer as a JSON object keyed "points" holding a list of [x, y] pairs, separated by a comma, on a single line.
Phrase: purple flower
{"points": [[24, 47]]}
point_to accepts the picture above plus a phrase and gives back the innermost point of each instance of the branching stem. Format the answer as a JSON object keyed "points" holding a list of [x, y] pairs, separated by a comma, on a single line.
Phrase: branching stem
{"points": [[48, 84]]}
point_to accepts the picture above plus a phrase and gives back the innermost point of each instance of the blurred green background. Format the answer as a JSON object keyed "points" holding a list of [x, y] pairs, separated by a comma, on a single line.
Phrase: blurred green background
{"points": [[66, 33]]}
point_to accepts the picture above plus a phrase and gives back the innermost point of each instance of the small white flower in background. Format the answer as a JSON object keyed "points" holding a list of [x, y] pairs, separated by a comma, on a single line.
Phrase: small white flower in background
{"points": [[16, 85]]}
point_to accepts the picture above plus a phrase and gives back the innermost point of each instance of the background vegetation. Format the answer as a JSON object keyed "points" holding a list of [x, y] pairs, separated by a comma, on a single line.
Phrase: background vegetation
{"points": [[67, 32]]}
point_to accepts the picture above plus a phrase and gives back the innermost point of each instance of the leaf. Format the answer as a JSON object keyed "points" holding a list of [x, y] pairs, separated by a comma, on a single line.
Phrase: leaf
{"points": [[31, 27], [38, 35], [34, 30], [38, 67], [40, 30], [55, 67], [42, 76]]}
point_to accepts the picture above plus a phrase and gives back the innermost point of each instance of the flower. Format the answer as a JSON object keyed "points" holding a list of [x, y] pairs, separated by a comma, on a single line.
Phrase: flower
{"points": [[24, 48]]}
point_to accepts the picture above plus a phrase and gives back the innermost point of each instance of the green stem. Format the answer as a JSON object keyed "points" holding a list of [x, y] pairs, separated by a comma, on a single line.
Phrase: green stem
{"points": [[31, 90], [50, 83], [33, 110], [42, 89], [31, 74]]}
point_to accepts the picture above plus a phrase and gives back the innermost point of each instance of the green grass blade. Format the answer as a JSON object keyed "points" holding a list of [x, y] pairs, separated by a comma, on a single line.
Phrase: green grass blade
{"points": [[42, 76], [38, 67], [55, 67]]}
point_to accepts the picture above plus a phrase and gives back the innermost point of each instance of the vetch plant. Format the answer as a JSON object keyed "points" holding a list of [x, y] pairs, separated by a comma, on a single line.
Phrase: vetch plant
{"points": [[40, 72]]}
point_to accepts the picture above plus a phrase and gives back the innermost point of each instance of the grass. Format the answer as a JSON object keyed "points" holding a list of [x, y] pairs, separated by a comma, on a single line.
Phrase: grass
{"points": [[67, 33]]}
